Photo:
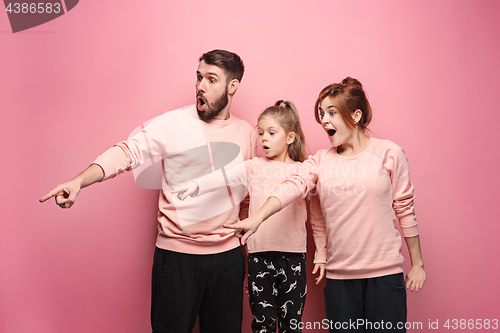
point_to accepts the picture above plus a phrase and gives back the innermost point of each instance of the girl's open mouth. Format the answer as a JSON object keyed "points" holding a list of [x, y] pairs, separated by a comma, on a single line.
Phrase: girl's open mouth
{"points": [[331, 132]]}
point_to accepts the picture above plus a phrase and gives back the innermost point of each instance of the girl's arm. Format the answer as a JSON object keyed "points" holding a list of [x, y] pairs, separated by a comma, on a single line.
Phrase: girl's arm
{"points": [[214, 181], [416, 277]]}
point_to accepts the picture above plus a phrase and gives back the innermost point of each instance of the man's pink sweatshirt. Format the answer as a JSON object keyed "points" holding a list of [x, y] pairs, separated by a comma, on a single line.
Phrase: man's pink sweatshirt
{"points": [[188, 148]]}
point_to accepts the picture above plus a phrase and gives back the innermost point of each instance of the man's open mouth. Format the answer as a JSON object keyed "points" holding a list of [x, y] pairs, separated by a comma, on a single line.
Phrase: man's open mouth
{"points": [[200, 103]]}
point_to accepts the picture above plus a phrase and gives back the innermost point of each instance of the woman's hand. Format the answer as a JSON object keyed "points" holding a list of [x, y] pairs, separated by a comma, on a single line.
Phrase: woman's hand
{"points": [[415, 278], [321, 268], [246, 228], [249, 226], [186, 189]]}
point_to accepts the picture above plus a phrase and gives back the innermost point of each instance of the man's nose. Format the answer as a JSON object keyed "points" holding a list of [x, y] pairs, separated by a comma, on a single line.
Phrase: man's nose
{"points": [[201, 85]]}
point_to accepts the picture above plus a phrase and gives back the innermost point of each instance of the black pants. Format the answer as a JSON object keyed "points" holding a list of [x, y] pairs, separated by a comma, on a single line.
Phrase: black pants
{"points": [[366, 305], [277, 288], [187, 285]]}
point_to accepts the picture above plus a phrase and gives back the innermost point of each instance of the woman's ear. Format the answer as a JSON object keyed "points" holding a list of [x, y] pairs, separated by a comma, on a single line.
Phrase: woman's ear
{"points": [[356, 116], [290, 138]]}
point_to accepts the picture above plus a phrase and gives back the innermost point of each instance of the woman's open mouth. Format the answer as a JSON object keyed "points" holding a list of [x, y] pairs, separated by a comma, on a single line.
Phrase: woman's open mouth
{"points": [[331, 132]]}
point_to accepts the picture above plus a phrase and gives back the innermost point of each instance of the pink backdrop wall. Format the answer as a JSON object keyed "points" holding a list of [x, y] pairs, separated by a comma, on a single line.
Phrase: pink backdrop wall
{"points": [[71, 88]]}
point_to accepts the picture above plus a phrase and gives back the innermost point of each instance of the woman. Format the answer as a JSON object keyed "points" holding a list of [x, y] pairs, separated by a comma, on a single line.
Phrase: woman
{"points": [[363, 190]]}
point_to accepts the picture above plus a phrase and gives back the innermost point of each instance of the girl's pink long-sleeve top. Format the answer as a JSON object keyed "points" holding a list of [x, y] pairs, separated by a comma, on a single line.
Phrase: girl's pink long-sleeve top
{"points": [[362, 201]]}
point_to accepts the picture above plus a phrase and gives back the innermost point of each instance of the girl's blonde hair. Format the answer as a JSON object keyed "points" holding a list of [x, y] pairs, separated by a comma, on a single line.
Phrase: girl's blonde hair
{"points": [[285, 113]]}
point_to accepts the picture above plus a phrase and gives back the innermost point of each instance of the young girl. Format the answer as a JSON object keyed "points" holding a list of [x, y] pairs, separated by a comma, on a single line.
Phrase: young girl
{"points": [[364, 189], [276, 261]]}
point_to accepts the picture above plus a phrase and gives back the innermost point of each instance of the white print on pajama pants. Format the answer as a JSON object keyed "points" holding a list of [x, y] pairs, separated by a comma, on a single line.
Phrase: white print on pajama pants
{"points": [[277, 288]]}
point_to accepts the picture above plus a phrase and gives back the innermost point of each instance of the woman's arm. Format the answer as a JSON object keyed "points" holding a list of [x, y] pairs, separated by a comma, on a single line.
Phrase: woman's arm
{"points": [[246, 228], [416, 277], [403, 204], [318, 227]]}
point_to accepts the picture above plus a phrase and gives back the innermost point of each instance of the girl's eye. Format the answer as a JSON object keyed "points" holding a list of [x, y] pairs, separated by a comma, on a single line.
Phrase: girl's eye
{"points": [[212, 80], [321, 115], [199, 78], [272, 133], [261, 134], [332, 113]]}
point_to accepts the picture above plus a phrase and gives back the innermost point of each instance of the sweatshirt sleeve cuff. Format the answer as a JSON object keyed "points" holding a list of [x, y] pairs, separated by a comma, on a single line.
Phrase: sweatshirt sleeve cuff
{"points": [[410, 231], [113, 161], [320, 258]]}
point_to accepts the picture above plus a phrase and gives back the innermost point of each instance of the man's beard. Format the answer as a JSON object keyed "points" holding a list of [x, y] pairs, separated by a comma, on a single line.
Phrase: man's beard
{"points": [[212, 110]]}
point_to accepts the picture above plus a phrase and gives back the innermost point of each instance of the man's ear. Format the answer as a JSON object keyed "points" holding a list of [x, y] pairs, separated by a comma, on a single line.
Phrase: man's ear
{"points": [[291, 138], [232, 86]]}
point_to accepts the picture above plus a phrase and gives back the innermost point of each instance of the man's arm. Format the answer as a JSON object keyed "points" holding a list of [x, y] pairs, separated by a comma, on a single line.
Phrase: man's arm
{"points": [[65, 194]]}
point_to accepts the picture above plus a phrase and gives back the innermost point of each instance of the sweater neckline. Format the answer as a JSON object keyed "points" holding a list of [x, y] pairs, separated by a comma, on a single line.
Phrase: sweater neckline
{"points": [[357, 155], [268, 160], [221, 122]]}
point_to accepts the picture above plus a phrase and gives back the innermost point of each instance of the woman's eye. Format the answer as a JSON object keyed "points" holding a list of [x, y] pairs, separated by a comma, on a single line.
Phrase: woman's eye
{"points": [[332, 113], [212, 80], [260, 133], [321, 114]]}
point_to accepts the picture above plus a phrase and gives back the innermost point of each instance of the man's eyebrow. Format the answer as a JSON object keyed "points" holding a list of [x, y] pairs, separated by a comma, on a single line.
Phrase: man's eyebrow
{"points": [[208, 73]]}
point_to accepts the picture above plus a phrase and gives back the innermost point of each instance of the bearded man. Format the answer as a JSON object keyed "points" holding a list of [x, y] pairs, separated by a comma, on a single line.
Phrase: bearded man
{"points": [[198, 267]]}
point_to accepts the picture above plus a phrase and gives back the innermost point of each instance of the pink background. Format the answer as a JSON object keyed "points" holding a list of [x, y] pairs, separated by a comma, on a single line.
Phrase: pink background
{"points": [[71, 88]]}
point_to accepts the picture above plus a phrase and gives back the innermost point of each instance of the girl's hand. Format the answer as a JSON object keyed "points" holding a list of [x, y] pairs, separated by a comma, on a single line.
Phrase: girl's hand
{"points": [[186, 189], [245, 228], [321, 268], [415, 278]]}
